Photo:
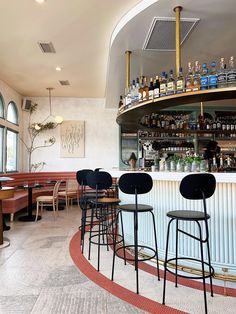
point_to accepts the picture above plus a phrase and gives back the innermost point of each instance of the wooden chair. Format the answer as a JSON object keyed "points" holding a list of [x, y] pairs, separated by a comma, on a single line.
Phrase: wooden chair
{"points": [[48, 200], [70, 193]]}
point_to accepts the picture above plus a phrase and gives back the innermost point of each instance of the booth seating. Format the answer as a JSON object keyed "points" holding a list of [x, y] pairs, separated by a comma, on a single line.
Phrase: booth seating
{"points": [[135, 184], [193, 187], [43, 181]]}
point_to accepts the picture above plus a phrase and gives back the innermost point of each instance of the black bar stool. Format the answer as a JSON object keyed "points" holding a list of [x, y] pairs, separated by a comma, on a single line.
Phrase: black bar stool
{"points": [[135, 183], [85, 197], [103, 211], [193, 187]]}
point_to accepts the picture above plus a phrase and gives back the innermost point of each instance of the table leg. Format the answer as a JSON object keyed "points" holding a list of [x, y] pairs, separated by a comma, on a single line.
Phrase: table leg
{"points": [[29, 217], [2, 242]]}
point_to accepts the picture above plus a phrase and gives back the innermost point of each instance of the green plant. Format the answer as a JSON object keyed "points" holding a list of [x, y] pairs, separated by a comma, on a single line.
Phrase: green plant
{"points": [[34, 130]]}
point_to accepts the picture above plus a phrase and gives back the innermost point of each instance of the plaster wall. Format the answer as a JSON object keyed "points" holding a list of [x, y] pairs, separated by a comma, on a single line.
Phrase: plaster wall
{"points": [[101, 133]]}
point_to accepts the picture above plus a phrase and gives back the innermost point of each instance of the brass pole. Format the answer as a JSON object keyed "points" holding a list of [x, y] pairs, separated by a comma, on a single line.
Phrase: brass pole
{"points": [[127, 68], [177, 11]]}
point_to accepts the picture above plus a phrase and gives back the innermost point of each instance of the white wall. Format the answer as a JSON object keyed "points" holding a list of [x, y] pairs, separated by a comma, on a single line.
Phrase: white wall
{"points": [[101, 134]]}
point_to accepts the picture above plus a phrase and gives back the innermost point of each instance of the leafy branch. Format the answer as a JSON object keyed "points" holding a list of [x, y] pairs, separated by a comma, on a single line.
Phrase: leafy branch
{"points": [[34, 130]]}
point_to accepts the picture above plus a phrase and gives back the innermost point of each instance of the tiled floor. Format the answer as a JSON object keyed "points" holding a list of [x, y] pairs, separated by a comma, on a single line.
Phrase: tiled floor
{"points": [[38, 275]]}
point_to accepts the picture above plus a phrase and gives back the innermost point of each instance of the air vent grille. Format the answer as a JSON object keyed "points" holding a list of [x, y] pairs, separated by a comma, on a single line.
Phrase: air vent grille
{"points": [[64, 83], [161, 35], [47, 47]]}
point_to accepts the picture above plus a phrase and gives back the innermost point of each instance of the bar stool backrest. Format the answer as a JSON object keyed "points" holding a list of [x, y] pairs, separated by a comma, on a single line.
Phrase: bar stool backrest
{"points": [[135, 183], [198, 186], [81, 176], [99, 180]]}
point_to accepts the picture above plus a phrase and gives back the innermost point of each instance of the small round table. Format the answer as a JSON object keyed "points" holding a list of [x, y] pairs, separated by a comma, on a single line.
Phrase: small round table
{"points": [[5, 192]]}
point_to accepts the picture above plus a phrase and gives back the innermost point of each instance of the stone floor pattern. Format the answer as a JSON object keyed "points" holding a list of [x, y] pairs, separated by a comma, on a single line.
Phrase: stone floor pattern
{"points": [[38, 275]]}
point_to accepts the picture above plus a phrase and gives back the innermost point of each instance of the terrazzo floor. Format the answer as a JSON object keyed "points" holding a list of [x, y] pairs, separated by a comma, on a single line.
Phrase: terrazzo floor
{"points": [[37, 275]]}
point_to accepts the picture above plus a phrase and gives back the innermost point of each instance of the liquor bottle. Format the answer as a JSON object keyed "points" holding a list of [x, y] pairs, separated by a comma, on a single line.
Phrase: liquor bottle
{"points": [[140, 91], [145, 89], [171, 84], [128, 97], [196, 77], [204, 80], [151, 90], [133, 92], [222, 74], [189, 79], [121, 102], [213, 76], [136, 91], [156, 88], [231, 75], [163, 84], [214, 125], [180, 82]]}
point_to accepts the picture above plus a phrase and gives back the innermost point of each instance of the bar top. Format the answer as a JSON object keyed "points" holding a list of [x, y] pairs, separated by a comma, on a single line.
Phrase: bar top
{"points": [[225, 177]]}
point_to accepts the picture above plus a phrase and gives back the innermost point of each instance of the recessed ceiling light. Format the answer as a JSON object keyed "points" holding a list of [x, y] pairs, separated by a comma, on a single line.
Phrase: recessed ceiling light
{"points": [[40, 1], [58, 68]]}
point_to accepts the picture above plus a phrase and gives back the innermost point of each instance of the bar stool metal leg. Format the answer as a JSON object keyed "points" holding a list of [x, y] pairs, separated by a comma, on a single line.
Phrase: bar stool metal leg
{"points": [[166, 256], [203, 269], [136, 248], [176, 252], [156, 248]]}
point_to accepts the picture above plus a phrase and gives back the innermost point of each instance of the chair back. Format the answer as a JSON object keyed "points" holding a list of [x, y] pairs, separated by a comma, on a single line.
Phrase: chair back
{"points": [[81, 176], [135, 183], [71, 185], [198, 186], [99, 180], [55, 189]]}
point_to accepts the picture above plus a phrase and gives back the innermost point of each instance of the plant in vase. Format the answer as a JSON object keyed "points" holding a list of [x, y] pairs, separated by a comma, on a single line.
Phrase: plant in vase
{"points": [[188, 163], [132, 161], [196, 163], [173, 162]]}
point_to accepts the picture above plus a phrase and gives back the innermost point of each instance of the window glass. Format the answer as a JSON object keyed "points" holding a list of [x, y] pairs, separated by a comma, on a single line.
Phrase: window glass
{"points": [[12, 114], [1, 107], [1, 148], [12, 140]]}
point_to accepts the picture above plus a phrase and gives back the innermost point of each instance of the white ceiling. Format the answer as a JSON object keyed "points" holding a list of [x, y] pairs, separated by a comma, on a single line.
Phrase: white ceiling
{"points": [[81, 32]]}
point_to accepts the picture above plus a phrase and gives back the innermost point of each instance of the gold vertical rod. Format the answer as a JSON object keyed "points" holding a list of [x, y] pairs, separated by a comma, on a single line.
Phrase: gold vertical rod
{"points": [[177, 11], [127, 68]]}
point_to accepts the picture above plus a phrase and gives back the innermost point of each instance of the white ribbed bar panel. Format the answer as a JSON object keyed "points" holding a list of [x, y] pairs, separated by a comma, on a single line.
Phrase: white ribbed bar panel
{"points": [[165, 197]]}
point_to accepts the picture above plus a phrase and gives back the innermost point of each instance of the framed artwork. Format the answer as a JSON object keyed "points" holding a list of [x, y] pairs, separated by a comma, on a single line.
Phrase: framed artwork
{"points": [[72, 139]]}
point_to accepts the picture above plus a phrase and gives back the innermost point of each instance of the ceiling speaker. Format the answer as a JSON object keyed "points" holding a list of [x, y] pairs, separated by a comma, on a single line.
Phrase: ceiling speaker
{"points": [[27, 103]]}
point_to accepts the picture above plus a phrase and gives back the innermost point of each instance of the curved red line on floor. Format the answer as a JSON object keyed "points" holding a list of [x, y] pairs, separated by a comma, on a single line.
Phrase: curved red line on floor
{"points": [[139, 301]]}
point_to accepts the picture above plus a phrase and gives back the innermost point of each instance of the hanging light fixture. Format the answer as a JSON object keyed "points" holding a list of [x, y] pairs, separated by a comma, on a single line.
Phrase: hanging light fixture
{"points": [[57, 119]]}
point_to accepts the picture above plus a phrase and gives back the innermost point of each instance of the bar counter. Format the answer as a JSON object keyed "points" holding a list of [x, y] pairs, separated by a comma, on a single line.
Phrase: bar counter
{"points": [[165, 196]]}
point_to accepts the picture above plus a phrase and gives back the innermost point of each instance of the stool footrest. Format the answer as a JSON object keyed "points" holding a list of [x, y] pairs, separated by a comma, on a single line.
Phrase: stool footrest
{"points": [[132, 259], [207, 273]]}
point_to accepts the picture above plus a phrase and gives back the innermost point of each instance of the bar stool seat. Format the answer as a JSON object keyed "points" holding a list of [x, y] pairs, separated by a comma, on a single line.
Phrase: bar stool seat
{"points": [[132, 207], [187, 215]]}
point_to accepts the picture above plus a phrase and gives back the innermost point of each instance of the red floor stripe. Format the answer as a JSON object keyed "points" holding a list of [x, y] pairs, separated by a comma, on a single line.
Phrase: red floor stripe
{"points": [[139, 301]]}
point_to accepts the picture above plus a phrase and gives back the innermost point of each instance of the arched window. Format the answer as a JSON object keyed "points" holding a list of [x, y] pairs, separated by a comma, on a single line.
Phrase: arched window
{"points": [[1, 107], [12, 113]]}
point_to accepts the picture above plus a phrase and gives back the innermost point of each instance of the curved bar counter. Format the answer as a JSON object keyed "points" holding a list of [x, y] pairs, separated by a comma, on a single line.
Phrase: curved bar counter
{"points": [[165, 196]]}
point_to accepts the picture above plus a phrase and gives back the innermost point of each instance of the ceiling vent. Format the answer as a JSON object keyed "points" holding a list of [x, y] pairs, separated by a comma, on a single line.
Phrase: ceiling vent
{"points": [[161, 35], [47, 47], [64, 83]]}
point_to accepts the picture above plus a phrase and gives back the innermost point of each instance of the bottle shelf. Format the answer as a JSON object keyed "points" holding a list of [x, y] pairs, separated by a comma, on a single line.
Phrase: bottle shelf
{"points": [[134, 113]]}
